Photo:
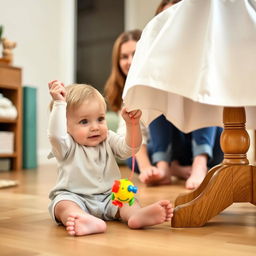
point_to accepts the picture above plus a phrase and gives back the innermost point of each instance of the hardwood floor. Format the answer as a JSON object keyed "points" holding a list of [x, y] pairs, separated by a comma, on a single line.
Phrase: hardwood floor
{"points": [[26, 228]]}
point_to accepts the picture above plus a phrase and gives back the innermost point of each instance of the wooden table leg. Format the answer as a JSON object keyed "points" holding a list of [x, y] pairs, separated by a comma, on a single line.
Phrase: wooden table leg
{"points": [[254, 150], [232, 181]]}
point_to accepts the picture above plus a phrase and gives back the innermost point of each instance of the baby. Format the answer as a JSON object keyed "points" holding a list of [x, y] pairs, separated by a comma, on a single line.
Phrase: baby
{"points": [[85, 152]]}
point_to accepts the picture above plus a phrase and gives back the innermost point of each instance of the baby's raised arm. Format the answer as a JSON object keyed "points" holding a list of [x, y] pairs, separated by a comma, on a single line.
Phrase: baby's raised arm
{"points": [[57, 128]]}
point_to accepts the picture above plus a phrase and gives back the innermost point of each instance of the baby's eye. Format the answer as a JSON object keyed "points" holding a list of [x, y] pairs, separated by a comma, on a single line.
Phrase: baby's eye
{"points": [[84, 121], [102, 118]]}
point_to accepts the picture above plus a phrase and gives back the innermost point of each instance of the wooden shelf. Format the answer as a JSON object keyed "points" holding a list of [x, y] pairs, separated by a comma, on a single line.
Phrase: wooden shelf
{"points": [[10, 87], [8, 155], [8, 121]]}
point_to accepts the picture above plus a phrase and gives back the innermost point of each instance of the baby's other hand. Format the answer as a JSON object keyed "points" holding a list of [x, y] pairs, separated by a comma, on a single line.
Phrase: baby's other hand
{"points": [[57, 90], [132, 117]]}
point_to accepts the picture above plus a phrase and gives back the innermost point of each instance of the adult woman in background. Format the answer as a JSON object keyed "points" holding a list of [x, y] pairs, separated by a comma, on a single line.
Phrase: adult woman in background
{"points": [[122, 54]]}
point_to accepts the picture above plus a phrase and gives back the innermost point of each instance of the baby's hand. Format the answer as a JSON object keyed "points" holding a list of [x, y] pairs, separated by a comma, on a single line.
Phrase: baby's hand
{"points": [[57, 90], [132, 117]]}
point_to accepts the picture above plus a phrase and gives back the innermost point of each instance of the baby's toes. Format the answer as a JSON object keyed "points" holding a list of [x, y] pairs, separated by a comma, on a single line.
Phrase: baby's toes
{"points": [[70, 223], [71, 218], [169, 212], [72, 232], [70, 228], [168, 218]]}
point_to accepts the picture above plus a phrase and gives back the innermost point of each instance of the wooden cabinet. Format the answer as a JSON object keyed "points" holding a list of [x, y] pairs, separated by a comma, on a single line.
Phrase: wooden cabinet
{"points": [[10, 87]]}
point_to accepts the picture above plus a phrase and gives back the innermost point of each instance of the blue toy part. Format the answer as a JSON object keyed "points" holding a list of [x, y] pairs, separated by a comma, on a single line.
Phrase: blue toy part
{"points": [[123, 191]]}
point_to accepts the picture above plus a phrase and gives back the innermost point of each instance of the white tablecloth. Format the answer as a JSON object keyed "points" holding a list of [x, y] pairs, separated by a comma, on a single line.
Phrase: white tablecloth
{"points": [[193, 59]]}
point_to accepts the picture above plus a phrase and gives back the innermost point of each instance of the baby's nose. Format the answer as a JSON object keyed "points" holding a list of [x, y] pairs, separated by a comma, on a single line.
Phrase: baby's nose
{"points": [[94, 126]]}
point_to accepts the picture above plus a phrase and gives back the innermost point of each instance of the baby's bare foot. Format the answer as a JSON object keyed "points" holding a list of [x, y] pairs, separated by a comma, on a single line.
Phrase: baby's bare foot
{"points": [[155, 176], [84, 224], [150, 215]]}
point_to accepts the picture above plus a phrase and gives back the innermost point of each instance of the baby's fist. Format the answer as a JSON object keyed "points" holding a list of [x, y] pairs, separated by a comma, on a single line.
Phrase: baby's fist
{"points": [[131, 116]]}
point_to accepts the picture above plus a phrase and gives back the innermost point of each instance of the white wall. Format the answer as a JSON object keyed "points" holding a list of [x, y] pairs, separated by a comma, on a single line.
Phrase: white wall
{"points": [[44, 32], [139, 12]]}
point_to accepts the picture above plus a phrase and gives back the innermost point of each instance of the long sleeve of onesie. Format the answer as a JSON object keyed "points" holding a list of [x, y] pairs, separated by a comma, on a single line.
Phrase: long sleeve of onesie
{"points": [[57, 130]]}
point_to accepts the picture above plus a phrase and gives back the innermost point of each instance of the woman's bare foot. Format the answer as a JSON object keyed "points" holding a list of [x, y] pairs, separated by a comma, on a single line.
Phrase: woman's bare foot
{"points": [[199, 171], [150, 215], [157, 175], [182, 172], [84, 224]]}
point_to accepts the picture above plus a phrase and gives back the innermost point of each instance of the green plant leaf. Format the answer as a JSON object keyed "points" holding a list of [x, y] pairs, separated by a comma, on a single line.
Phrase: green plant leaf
{"points": [[1, 31]]}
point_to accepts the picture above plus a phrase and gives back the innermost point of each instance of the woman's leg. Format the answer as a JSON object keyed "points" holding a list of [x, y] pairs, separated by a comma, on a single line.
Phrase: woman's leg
{"points": [[181, 162], [159, 149], [203, 143], [217, 152], [171, 148], [161, 136]]}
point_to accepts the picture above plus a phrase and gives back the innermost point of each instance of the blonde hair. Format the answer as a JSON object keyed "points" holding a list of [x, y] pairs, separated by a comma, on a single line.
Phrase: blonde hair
{"points": [[76, 94]]}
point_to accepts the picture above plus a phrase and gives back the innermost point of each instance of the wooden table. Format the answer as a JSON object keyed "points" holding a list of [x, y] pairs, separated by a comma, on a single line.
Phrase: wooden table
{"points": [[234, 180]]}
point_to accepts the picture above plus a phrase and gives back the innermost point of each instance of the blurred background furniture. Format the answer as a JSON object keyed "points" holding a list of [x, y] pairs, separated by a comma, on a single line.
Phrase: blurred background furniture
{"points": [[10, 87], [29, 134]]}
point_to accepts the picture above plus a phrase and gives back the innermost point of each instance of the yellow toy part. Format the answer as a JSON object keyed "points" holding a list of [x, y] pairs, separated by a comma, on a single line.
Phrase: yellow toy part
{"points": [[123, 191]]}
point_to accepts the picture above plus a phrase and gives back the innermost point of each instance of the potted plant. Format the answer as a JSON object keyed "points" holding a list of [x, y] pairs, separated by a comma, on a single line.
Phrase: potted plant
{"points": [[8, 46], [1, 31]]}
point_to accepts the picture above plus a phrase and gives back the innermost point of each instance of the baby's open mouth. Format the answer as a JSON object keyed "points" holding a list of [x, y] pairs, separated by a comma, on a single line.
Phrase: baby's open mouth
{"points": [[93, 137]]}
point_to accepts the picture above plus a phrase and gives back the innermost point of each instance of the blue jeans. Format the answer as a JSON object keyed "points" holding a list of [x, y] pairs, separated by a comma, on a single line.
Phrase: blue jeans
{"points": [[167, 143]]}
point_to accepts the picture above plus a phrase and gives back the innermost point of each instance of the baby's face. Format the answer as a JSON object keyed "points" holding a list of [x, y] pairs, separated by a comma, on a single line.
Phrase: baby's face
{"points": [[87, 123]]}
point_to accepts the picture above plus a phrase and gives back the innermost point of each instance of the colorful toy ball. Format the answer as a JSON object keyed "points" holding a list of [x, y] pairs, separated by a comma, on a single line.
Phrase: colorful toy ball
{"points": [[123, 191]]}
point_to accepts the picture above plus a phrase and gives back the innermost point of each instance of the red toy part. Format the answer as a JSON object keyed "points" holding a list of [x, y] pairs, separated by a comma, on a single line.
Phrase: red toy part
{"points": [[116, 186], [117, 203]]}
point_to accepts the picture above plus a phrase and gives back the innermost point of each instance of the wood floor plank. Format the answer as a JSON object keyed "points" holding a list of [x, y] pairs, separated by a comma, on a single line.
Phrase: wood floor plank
{"points": [[26, 228]]}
